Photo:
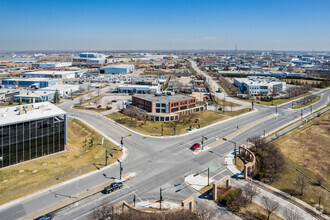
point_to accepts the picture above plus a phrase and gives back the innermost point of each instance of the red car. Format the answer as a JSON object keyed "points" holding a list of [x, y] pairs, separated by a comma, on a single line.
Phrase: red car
{"points": [[99, 106], [195, 146]]}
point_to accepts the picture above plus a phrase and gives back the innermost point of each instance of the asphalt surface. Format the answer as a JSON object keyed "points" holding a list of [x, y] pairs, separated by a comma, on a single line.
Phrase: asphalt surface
{"points": [[157, 162]]}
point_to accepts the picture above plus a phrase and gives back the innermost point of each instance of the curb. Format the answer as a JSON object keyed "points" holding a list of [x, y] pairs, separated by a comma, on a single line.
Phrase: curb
{"points": [[124, 155], [181, 135]]}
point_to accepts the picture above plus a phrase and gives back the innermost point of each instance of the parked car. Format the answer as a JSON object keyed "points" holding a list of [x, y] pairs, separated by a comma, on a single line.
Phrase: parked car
{"points": [[99, 106], [220, 109], [195, 146], [114, 101], [113, 187]]}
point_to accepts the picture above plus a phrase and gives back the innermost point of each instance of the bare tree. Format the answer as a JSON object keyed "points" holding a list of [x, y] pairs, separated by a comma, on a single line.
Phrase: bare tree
{"points": [[257, 142], [274, 161], [103, 212], [291, 215], [250, 191], [81, 100], [270, 206], [301, 182], [206, 211], [173, 124]]}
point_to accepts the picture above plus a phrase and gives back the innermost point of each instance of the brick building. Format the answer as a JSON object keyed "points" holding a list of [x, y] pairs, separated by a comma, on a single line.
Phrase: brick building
{"points": [[165, 107]]}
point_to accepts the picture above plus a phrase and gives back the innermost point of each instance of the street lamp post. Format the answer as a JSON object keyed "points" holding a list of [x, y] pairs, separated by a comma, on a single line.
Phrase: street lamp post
{"points": [[120, 168], [160, 198], [122, 141], [276, 109], [203, 138], [225, 139]]}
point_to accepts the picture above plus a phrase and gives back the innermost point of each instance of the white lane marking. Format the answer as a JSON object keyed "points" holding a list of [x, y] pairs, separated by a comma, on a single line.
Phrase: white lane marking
{"points": [[97, 200]]}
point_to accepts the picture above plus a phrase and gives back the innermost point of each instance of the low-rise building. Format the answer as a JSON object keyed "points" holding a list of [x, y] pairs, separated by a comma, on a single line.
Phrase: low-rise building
{"points": [[259, 85], [30, 96], [51, 65], [90, 58], [50, 74], [140, 89], [165, 107], [117, 69], [63, 89], [31, 131], [28, 82], [6, 94]]}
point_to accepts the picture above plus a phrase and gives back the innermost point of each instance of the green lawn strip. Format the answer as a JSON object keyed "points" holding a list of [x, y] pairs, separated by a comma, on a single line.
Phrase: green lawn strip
{"points": [[59, 167], [154, 128], [316, 99]]}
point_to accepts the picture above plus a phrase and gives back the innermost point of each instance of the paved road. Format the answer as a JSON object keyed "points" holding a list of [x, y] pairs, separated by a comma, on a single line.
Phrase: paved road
{"points": [[157, 162]]}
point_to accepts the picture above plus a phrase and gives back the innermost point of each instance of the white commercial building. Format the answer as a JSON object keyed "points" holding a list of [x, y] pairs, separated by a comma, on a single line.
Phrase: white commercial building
{"points": [[117, 69], [52, 65], [259, 85], [140, 89], [63, 89], [50, 74]]}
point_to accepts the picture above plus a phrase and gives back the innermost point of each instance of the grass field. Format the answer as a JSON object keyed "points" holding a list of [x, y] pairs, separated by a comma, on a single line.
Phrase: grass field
{"points": [[228, 104], [154, 128], [318, 98], [307, 149], [19, 180], [253, 211]]}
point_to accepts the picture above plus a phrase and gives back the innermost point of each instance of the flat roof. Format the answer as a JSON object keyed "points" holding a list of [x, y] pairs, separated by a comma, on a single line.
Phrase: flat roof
{"points": [[50, 72], [259, 80], [163, 98], [29, 79], [118, 66], [33, 93], [58, 87], [137, 86], [10, 115]]}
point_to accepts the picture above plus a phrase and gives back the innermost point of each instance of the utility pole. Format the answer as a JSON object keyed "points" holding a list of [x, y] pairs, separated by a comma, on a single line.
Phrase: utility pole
{"points": [[134, 200], [122, 143], [264, 133], [162, 129], [106, 157], [208, 176], [301, 116], [120, 169], [203, 138], [276, 110], [311, 107], [76, 184], [252, 103], [235, 154], [225, 139], [160, 198]]}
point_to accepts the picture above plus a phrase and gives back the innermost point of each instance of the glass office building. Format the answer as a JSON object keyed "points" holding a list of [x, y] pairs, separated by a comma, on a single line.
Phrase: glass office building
{"points": [[36, 137]]}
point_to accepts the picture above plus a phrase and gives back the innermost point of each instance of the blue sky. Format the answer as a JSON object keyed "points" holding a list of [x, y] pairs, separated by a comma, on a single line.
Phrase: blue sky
{"points": [[159, 24]]}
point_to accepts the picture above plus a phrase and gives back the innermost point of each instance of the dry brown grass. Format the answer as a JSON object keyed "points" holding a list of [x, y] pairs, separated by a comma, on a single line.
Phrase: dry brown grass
{"points": [[253, 211], [308, 147], [59, 167]]}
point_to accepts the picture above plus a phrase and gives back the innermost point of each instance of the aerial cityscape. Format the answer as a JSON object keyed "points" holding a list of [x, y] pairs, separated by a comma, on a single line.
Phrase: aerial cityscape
{"points": [[161, 110]]}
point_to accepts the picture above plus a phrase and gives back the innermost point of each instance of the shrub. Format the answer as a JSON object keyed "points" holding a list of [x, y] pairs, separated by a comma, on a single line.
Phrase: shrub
{"points": [[227, 200], [109, 107]]}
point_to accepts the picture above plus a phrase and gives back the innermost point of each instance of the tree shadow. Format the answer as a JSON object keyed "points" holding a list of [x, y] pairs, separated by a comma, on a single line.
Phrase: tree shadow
{"points": [[59, 195]]}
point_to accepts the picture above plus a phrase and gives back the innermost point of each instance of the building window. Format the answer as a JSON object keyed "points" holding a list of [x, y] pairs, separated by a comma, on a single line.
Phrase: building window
{"points": [[157, 110], [183, 107], [163, 110], [157, 104], [163, 104], [175, 109], [192, 106]]}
